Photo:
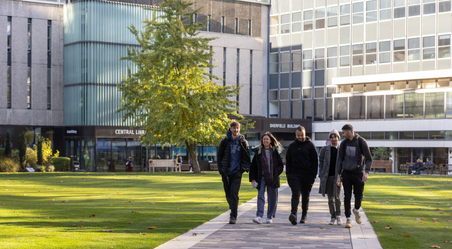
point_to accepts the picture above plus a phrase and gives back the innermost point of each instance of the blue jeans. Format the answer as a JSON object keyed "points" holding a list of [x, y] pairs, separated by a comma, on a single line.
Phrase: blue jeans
{"points": [[272, 194]]}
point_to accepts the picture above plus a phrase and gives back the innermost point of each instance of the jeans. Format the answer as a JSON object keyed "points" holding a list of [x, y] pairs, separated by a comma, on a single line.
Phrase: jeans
{"points": [[272, 194], [300, 185], [334, 201], [352, 180], [231, 185]]}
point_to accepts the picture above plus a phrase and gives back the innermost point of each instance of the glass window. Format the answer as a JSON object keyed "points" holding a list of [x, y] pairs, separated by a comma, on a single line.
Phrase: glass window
{"points": [[393, 135], [320, 13], [399, 13], [365, 135], [444, 52], [332, 22], [437, 135], [399, 45], [307, 109], [358, 49], [319, 109], [414, 105], [345, 9], [443, 40], [429, 41], [414, 55], [434, 105], [394, 106], [320, 24], [448, 104], [296, 27], [412, 2], [385, 57], [308, 25], [406, 135], [357, 107], [384, 4], [345, 61], [399, 56], [285, 29], [429, 8], [371, 16], [414, 10], [332, 62], [371, 47], [296, 17], [444, 6], [358, 7], [285, 18], [307, 65], [358, 18], [371, 5], [345, 50], [345, 20], [371, 59], [357, 60], [332, 51], [319, 53], [413, 43], [385, 15], [421, 135], [307, 54], [307, 15], [428, 54], [307, 93], [319, 64], [375, 107], [385, 46], [398, 3], [377, 135], [332, 11], [340, 108]]}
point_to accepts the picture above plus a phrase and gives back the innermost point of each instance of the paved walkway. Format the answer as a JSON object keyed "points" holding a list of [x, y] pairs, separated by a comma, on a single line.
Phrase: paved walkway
{"points": [[281, 234]]}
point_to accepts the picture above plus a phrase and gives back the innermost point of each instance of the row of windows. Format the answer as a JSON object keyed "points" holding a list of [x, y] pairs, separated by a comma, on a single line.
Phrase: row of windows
{"points": [[333, 16], [223, 24], [396, 135], [412, 49], [29, 63]]}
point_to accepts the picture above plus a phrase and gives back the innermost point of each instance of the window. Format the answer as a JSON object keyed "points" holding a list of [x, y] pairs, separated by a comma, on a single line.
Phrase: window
{"points": [[358, 12], [394, 106], [357, 54], [307, 17], [434, 105], [319, 58], [8, 62], [285, 18], [296, 61], [413, 49], [371, 53], [385, 10], [195, 18], [296, 22], [357, 107], [332, 16], [385, 55], [307, 60], [375, 107], [49, 62], [399, 12], [236, 26], [285, 62], [222, 24], [274, 63], [285, 29], [224, 66], [340, 108], [345, 14], [399, 50], [320, 18], [345, 56], [249, 27], [414, 103], [209, 22], [444, 6], [429, 48], [29, 65], [414, 10], [429, 8], [443, 46], [332, 57]]}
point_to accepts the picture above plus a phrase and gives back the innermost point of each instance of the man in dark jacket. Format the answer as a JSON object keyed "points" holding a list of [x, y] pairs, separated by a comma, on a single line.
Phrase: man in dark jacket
{"points": [[233, 157], [353, 169], [301, 171], [427, 164]]}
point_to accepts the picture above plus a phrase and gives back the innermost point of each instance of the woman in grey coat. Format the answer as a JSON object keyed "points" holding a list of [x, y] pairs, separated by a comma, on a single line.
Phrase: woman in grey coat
{"points": [[327, 172]]}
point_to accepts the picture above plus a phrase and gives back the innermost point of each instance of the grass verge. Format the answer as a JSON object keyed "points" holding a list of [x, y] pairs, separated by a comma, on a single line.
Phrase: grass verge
{"points": [[72, 210], [409, 211]]}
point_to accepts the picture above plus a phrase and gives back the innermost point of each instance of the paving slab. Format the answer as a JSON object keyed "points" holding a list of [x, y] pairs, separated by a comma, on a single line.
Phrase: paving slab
{"points": [[316, 233]]}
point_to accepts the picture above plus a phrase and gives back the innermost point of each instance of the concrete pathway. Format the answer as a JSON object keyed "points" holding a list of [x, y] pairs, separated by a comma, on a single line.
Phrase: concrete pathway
{"points": [[281, 234]]}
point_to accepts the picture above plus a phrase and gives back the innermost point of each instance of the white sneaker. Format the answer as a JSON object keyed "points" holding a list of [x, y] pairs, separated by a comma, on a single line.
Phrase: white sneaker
{"points": [[338, 220], [269, 221], [332, 221], [257, 220]]}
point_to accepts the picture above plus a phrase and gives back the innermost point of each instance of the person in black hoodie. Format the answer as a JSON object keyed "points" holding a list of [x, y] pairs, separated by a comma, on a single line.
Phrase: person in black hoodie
{"points": [[301, 171], [233, 157], [353, 169], [264, 173]]}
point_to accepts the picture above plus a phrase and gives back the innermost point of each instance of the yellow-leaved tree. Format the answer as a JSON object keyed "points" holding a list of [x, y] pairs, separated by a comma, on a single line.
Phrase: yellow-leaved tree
{"points": [[172, 96]]}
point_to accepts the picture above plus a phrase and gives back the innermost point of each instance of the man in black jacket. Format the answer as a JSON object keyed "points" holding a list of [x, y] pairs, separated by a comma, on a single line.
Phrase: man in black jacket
{"points": [[353, 169], [301, 171], [233, 157]]}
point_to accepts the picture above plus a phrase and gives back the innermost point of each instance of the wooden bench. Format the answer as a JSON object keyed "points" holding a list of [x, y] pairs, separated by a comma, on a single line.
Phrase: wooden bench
{"points": [[164, 163], [403, 168], [445, 169], [382, 164], [213, 167]]}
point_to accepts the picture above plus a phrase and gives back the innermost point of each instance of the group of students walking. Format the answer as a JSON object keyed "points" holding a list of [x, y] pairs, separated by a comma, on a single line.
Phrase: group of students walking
{"points": [[346, 164]]}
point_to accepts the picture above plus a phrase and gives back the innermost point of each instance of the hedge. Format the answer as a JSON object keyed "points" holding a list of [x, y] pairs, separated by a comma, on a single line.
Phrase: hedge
{"points": [[61, 163]]}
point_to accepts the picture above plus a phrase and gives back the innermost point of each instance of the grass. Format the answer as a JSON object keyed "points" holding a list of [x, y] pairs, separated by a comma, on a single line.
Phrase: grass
{"points": [[408, 205], [71, 210]]}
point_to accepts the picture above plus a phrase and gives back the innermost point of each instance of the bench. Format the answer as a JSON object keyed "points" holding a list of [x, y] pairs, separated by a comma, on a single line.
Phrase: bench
{"points": [[403, 168], [382, 164], [213, 167], [164, 163], [445, 169]]}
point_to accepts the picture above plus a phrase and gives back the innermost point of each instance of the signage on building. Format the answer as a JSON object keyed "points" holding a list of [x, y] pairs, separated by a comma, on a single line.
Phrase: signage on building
{"points": [[284, 126], [71, 132], [129, 132]]}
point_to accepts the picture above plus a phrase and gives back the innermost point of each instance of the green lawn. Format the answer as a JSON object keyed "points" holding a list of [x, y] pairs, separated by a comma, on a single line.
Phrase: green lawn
{"points": [[400, 203], [71, 210]]}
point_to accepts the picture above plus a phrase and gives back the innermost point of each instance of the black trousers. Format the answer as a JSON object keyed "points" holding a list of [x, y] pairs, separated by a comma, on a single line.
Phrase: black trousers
{"points": [[300, 185], [352, 180], [231, 185]]}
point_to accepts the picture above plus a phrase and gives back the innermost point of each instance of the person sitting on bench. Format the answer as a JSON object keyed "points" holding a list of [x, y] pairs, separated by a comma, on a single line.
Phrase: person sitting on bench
{"points": [[427, 164], [417, 165]]}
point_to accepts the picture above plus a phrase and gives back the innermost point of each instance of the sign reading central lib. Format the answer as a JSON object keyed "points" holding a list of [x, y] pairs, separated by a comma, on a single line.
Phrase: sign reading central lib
{"points": [[129, 132]]}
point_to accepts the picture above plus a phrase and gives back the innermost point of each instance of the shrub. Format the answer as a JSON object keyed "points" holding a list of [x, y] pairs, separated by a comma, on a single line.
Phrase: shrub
{"points": [[22, 150], [39, 151], [8, 144], [61, 163], [31, 157], [50, 168], [8, 165], [40, 168]]}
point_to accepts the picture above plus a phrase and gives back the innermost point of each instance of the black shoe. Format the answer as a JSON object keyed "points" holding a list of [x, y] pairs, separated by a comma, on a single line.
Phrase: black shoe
{"points": [[232, 220], [303, 219], [293, 219]]}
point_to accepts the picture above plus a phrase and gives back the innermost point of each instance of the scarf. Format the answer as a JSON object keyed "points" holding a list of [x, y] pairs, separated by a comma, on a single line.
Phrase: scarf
{"points": [[267, 169]]}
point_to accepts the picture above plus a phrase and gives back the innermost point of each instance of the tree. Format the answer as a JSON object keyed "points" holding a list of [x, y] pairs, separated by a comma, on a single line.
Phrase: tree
{"points": [[39, 151], [172, 95], [8, 144], [22, 150]]}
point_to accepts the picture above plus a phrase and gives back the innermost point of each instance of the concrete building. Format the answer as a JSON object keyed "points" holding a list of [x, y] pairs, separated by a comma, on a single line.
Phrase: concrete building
{"points": [[384, 66]]}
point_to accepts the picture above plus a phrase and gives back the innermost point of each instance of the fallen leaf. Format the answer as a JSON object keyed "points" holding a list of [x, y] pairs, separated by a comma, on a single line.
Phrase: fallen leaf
{"points": [[145, 234], [133, 211], [388, 228], [92, 215], [152, 227], [152, 203], [74, 225], [47, 217], [435, 246], [406, 235], [108, 231], [194, 234], [322, 228], [64, 201], [81, 227], [130, 222]]}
